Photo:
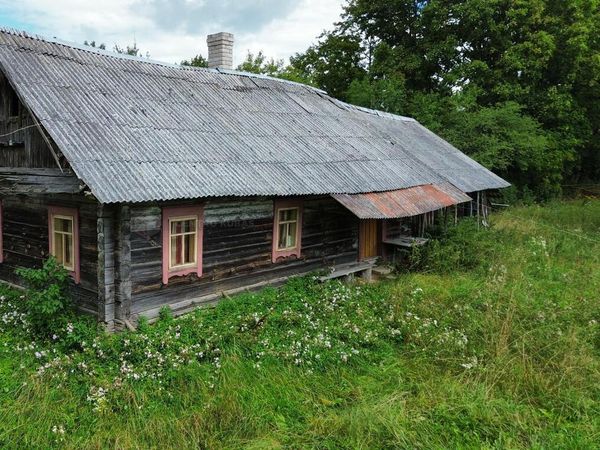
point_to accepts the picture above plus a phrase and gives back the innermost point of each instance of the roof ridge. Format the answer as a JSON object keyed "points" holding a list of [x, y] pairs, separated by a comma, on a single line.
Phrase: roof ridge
{"points": [[142, 59]]}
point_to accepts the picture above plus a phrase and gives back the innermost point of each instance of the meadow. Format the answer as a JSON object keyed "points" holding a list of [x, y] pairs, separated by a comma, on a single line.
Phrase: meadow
{"points": [[491, 339]]}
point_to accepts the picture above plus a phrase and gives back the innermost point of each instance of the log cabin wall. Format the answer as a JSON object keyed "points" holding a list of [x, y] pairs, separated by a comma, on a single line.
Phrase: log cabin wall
{"points": [[237, 248], [25, 241], [21, 143]]}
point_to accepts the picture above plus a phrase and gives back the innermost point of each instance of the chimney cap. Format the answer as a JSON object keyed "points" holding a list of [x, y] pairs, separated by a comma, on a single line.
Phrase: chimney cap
{"points": [[222, 36]]}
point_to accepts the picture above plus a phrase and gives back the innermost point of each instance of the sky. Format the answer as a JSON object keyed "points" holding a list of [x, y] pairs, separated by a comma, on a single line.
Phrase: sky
{"points": [[174, 30]]}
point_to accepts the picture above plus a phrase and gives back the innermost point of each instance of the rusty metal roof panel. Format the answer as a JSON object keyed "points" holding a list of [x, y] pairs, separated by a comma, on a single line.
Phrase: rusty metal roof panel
{"points": [[138, 130], [402, 202]]}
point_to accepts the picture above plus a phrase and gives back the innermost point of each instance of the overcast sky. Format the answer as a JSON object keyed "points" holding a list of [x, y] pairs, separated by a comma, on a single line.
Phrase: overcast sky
{"points": [[172, 30]]}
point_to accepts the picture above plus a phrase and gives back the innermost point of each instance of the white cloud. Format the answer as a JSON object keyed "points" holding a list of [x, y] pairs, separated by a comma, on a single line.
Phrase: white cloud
{"points": [[279, 29]]}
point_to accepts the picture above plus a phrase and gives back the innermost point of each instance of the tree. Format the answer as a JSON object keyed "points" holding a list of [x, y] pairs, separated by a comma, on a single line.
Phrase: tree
{"points": [[196, 61], [260, 64], [332, 64], [131, 50], [514, 83], [93, 44]]}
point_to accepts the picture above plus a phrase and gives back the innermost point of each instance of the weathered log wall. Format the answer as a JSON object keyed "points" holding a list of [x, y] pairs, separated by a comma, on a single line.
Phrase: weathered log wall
{"points": [[21, 142], [236, 249], [25, 240], [25, 180], [121, 249]]}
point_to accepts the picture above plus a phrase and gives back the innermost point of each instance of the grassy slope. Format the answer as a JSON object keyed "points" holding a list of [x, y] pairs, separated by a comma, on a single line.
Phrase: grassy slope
{"points": [[503, 354]]}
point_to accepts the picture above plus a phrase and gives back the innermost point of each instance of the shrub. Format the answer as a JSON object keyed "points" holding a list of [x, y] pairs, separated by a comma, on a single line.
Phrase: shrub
{"points": [[457, 248], [48, 304]]}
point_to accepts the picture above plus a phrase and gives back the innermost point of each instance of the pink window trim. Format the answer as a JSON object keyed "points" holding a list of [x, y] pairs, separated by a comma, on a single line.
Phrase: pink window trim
{"points": [[285, 204], [1, 233], [61, 211], [181, 211]]}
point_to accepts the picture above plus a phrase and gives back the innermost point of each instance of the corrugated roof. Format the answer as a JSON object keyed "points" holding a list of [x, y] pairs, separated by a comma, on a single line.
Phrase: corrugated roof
{"points": [[136, 130], [402, 202]]}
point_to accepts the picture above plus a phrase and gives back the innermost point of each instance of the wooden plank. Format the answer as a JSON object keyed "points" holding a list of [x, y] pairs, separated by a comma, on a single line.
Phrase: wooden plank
{"points": [[348, 269], [19, 180]]}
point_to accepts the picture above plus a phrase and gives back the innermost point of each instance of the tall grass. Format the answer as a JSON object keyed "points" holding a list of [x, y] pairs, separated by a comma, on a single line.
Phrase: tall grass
{"points": [[494, 343]]}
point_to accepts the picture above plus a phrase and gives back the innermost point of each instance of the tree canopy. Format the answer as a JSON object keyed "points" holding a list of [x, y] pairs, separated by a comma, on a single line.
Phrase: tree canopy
{"points": [[513, 83]]}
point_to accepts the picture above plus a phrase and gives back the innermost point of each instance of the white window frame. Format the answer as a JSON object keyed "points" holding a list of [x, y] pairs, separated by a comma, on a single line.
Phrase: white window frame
{"points": [[194, 263], [282, 254], [71, 214], [288, 222], [71, 219]]}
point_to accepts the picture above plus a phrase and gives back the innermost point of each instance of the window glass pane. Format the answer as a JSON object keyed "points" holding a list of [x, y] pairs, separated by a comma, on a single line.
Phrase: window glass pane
{"points": [[291, 238], [190, 249], [183, 242], [65, 225], [183, 226], [189, 226], [286, 215], [176, 251], [57, 251], [68, 243], [282, 236]]}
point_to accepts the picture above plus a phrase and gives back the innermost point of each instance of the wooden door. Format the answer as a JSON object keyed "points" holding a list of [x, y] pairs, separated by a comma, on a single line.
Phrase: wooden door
{"points": [[368, 239]]}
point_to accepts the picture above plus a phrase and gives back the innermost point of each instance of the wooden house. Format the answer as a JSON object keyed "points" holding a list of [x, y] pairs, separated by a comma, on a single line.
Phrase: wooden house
{"points": [[155, 184]]}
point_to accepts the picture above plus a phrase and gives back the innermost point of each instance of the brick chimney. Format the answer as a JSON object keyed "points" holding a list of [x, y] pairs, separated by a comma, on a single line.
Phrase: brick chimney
{"points": [[220, 50]]}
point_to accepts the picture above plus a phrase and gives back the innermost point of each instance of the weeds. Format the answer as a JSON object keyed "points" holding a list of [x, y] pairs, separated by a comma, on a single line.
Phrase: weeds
{"points": [[497, 344]]}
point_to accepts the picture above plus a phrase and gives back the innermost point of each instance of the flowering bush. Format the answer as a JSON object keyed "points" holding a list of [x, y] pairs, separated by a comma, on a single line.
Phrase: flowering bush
{"points": [[47, 300], [308, 324]]}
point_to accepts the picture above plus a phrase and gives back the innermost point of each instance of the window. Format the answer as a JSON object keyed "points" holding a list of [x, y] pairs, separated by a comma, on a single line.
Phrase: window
{"points": [[63, 226], [287, 229], [182, 241]]}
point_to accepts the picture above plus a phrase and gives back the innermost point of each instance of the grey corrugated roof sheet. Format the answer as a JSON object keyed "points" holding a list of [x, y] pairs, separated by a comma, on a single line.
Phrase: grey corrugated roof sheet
{"points": [[137, 130]]}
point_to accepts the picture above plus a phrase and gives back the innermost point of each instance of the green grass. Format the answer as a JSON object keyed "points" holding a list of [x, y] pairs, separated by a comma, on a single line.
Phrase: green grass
{"points": [[494, 343]]}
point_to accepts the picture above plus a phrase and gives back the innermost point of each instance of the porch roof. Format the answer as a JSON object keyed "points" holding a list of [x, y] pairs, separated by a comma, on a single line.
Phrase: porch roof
{"points": [[402, 202]]}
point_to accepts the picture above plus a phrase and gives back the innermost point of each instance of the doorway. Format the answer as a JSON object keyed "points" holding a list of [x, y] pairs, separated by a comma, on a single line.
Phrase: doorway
{"points": [[368, 239]]}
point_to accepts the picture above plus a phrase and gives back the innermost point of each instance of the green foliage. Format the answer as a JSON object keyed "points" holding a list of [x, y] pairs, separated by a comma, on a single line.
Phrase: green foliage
{"points": [[332, 65], [93, 44], [131, 50], [165, 315], [47, 300], [494, 344], [196, 61], [260, 64], [513, 84], [457, 249]]}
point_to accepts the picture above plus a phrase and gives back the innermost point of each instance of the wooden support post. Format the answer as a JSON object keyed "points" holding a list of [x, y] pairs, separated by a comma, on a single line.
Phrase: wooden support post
{"points": [[123, 264], [478, 210], [106, 266]]}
